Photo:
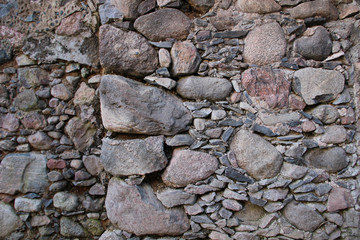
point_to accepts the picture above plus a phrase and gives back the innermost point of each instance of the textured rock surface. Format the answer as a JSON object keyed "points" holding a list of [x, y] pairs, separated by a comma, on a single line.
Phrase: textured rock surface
{"points": [[326, 113], [131, 55], [201, 5], [9, 221], [339, 198], [174, 197], [133, 157], [331, 159], [208, 88], [265, 44], [185, 58], [258, 6], [257, 156], [142, 108], [188, 166], [126, 205], [81, 133], [323, 8]]}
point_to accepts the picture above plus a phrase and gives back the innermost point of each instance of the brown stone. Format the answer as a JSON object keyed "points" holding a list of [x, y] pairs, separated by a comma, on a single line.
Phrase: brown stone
{"points": [[62, 92], [188, 166], [56, 164], [224, 20], [40, 140], [71, 25], [296, 102], [270, 85], [84, 95], [185, 58], [349, 11], [201, 5], [339, 199], [323, 8], [258, 6], [34, 120], [308, 126], [81, 133], [334, 134]]}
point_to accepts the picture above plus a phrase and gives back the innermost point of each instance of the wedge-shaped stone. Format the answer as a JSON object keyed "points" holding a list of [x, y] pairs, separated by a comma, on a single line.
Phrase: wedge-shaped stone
{"points": [[258, 6], [131, 107], [9, 221], [323, 8], [136, 209]]}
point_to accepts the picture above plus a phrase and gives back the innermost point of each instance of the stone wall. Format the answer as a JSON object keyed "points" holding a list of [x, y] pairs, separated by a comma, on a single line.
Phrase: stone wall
{"points": [[174, 119]]}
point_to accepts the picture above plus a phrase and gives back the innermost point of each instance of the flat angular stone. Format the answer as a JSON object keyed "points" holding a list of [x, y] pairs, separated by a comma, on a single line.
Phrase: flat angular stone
{"points": [[81, 133], [318, 85], [61, 91], [257, 156], [33, 77], [185, 58], [201, 5], [40, 140], [127, 205], [210, 88], [329, 159], [187, 166], [84, 95], [9, 221], [27, 205], [317, 46], [133, 157], [34, 120], [339, 199], [258, 6], [66, 201], [334, 134], [326, 113], [26, 100], [131, 107], [175, 197], [93, 164], [302, 216], [132, 54], [70, 228], [162, 24], [23, 172], [9, 122], [265, 44], [180, 140], [293, 171], [323, 8], [269, 85]]}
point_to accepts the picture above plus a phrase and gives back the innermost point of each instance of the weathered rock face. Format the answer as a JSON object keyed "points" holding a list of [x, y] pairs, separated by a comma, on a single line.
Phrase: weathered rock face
{"points": [[323, 8], [257, 156], [81, 133], [339, 198], [317, 46], [131, 107], [318, 85], [162, 24], [23, 172], [302, 216], [331, 159], [127, 205], [9, 122], [209, 88], [270, 85], [40, 140], [133, 157], [33, 77], [326, 113], [175, 197], [201, 5], [185, 58], [26, 100], [132, 54], [188, 166], [258, 6], [9, 221], [33, 120], [265, 44], [334, 134]]}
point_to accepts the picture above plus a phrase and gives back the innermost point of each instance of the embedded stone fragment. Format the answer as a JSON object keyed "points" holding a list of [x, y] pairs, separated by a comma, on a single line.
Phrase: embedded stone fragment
{"points": [[62, 92], [323, 8], [209, 88], [326, 113], [9, 221], [71, 25], [334, 134], [175, 197], [133, 157], [201, 5], [93, 164], [84, 95], [329, 159], [258, 6], [33, 77], [131, 107], [26, 100], [34, 120], [185, 58], [187, 166], [131, 53], [317, 46], [339, 199], [70, 228], [126, 9], [126, 206], [23, 172], [257, 156], [162, 24], [40, 140], [269, 85], [9, 122], [81, 133], [23, 204], [302, 216], [66, 201], [265, 44], [318, 85]]}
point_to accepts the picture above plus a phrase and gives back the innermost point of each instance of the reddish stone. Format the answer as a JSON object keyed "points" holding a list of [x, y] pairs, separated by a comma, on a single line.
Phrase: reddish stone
{"points": [[34, 121], [81, 175], [15, 38], [70, 25], [347, 116], [308, 126], [339, 198], [185, 58], [296, 102], [9, 122], [55, 164], [235, 97], [270, 85]]}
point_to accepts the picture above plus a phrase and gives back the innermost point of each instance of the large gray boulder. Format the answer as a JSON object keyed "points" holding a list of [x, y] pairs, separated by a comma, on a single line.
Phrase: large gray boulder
{"points": [[329, 159], [209, 88], [136, 209], [126, 52], [133, 157], [9, 221], [256, 155], [131, 107], [318, 85]]}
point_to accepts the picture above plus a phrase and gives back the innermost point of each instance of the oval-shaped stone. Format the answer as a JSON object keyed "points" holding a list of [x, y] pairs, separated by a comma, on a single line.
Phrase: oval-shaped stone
{"points": [[330, 159]]}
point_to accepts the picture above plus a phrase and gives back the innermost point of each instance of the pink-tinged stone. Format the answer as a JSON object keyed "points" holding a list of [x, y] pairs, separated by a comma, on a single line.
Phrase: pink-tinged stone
{"points": [[9, 122], [81, 133], [185, 58], [334, 134], [308, 126], [81, 175], [232, 205], [97, 190], [164, 58], [14, 37], [349, 11], [347, 116], [62, 92], [258, 6], [296, 102], [269, 85], [40, 140], [55, 164], [339, 198], [188, 166], [93, 164], [71, 25], [84, 95], [34, 120], [235, 97]]}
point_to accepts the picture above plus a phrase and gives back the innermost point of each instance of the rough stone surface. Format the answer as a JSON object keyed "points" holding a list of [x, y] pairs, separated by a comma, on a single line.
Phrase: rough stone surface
{"points": [[323, 8], [81, 133], [175, 197], [70, 228], [84, 95], [33, 77], [133, 157], [185, 58], [27, 205], [26, 100], [188, 166], [162, 24], [317, 46], [132, 54], [318, 85], [40, 140], [326, 113], [339, 198], [9, 221], [257, 156], [126, 205], [93, 164], [334, 134], [23, 172], [302, 216], [330, 159], [209, 88], [270, 85], [265, 44], [62, 92], [201, 5], [33, 120], [9, 122], [258, 6], [65, 201], [144, 109]]}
